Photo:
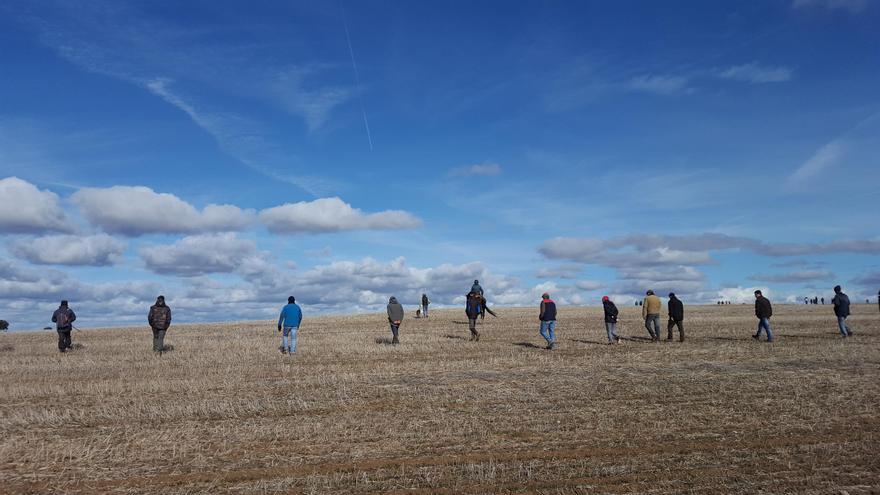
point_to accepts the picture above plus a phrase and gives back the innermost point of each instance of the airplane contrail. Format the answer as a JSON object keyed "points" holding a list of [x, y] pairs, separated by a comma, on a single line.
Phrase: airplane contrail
{"points": [[357, 79]]}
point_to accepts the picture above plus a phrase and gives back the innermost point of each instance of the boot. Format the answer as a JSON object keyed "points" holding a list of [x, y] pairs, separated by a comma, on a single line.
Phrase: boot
{"points": [[394, 340]]}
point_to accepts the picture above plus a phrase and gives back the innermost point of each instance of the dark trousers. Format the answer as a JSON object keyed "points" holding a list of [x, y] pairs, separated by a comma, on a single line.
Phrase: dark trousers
{"points": [[472, 326], [673, 323], [64, 342], [158, 340], [394, 330]]}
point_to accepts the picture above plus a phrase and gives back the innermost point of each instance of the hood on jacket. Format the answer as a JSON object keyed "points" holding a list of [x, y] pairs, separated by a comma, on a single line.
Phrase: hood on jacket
{"points": [[672, 295], [160, 301], [392, 300]]}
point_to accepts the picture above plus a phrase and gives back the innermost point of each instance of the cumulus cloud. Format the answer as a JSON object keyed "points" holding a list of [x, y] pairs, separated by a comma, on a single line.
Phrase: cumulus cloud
{"points": [[135, 211], [93, 250], [659, 84], [202, 254], [794, 277], [483, 169], [26, 209], [755, 73], [566, 271], [332, 215]]}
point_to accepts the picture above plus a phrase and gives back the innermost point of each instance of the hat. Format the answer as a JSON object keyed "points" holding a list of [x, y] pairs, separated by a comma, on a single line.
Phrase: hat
{"points": [[836, 288], [545, 296], [64, 302], [672, 294], [604, 298], [291, 300], [650, 292]]}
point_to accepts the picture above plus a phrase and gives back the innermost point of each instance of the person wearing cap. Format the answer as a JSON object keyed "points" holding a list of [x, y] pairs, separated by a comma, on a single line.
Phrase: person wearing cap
{"points": [[676, 317], [63, 318], [611, 313], [651, 313], [395, 317], [547, 317], [763, 311], [288, 324], [159, 319], [841, 310]]}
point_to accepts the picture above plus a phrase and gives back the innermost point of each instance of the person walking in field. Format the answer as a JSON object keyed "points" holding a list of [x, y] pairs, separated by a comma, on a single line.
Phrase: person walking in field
{"points": [[841, 310], [472, 308], [395, 317], [159, 319], [425, 303], [763, 311], [288, 324], [651, 313], [63, 317], [676, 317], [547, 317], [611, 313]]}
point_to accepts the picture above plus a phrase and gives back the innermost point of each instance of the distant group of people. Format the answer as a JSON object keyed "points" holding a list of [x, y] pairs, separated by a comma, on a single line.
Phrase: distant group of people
{"points": [[290, 319]]}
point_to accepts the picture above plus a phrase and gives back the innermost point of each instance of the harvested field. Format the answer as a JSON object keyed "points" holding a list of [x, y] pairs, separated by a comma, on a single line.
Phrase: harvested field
{"points": [[226, 413]]}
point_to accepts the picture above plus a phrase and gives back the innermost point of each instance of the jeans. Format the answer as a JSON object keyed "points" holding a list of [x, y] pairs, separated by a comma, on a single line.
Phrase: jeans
{"points": [[290, 344], [844, 328], [548, 331], [655, 321], [673, 323], [611, 330], [158, 340], [425, 310], [765, 324], [64, 340]]}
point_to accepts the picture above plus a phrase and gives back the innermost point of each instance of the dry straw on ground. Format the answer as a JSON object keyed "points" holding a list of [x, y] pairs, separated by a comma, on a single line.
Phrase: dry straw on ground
{"points": [[226, 413]]}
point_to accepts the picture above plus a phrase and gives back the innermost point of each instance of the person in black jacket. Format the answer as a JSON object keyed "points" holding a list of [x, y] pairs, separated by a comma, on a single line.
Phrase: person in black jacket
{"points": [[63, 317], [472, 310], [610, 320], [676, 317], [763, 311], [841, 310]]}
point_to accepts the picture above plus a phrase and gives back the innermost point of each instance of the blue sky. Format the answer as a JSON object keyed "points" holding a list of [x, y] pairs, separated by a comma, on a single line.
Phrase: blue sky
{"points": [[228, 155]]}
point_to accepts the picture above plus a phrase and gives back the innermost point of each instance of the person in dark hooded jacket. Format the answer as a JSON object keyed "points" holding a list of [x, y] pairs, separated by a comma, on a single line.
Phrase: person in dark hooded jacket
{"points": [[473, 308], [676, 317], [159, 319], [63, 317], [611, 313], [841, 310], [395, 317]]}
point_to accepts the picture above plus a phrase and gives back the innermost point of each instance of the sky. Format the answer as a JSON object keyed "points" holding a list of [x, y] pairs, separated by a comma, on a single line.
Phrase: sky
{"points": [[229, 154]]}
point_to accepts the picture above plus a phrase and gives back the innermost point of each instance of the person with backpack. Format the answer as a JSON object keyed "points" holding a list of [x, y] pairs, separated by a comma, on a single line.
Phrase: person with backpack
{"points": [[472, 308], [159, 319], [676, 317], [395, 317], [841, 310], [425, 303], [763, 311], [651, 313], [288, 324], [63, 317], [611, 314], [547, 316]]}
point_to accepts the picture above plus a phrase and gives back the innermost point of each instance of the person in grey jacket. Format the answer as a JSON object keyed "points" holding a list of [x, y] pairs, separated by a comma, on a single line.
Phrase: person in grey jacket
{"points": [[159, 319], [395, 317], [63, 317], [841, 310]]}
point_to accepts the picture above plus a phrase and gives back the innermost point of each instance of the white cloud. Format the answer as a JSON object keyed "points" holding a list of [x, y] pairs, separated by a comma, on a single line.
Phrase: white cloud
{"points": [[202, 254], [479, 169], [828, 156], [659, 84], [851, 6], [26, 209], [135, 211], [332, 215], [755, 73], [93, 250]]}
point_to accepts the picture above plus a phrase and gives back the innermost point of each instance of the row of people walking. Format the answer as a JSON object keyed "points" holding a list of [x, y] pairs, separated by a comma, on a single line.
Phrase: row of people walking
{"points": [[290, 318]]}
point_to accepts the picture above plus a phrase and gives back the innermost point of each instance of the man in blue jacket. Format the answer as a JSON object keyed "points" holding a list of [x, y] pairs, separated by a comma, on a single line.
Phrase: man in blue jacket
{"points": [[291, 317]]}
